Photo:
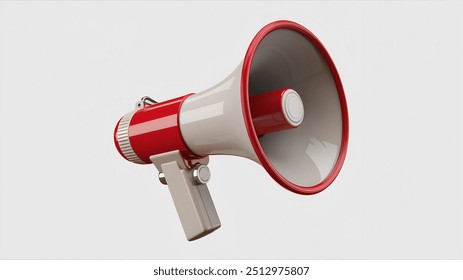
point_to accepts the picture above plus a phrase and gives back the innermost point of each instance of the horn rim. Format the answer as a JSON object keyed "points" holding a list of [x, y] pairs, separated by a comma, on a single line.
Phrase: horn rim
{"points": [[264, 160]]}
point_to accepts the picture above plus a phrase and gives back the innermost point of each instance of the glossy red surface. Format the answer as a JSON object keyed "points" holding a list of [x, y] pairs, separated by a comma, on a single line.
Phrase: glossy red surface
{"points": [[266, 112], [305, 190], [155, 129]]}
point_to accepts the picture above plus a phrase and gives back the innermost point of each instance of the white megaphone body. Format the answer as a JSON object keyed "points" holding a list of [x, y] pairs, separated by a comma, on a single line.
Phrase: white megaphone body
{"points": [[283, 107]]}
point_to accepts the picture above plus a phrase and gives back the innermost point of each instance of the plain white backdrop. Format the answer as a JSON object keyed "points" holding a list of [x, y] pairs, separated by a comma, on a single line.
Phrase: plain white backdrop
{"points": [[69, 71]]}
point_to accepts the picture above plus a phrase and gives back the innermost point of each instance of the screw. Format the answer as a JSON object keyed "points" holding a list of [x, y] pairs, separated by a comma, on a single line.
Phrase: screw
{"points": [[162, 178], [201, 174]]}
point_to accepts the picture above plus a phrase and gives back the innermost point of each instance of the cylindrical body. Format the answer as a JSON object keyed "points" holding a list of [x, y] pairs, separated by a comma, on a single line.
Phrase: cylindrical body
{"points": [[276, 110], [204, 120], [150, 131]]}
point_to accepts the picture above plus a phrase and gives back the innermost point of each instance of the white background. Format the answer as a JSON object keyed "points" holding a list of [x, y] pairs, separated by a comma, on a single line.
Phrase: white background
{"points": [[69, 71]]}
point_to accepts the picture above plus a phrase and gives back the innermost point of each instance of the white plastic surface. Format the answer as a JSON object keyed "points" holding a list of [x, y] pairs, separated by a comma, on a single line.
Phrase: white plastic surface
{"points": [[304, 155], [193, 201], [212, 121]]}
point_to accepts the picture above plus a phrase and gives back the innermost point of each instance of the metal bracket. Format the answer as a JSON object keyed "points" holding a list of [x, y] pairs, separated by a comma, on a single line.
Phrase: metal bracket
{"points": [[191, 196], [144, 101]]}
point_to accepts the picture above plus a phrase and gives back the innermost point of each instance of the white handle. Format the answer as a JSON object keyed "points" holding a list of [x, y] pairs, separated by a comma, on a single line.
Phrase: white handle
{"points": [[193, 201]]}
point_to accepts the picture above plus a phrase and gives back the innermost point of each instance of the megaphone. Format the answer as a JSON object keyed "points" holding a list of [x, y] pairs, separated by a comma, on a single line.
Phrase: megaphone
{"points": [[283, 107]]}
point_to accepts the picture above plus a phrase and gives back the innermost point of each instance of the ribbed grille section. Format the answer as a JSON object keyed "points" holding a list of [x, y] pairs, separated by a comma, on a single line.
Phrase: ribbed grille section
{"points": [[123, 139]]}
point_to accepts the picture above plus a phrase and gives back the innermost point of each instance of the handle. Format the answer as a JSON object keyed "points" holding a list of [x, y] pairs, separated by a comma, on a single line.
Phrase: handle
{"points": [[192, 199]]}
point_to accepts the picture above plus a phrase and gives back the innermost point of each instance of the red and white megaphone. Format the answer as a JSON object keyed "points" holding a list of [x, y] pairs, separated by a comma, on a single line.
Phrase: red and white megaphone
{"points": [[283, 107]]}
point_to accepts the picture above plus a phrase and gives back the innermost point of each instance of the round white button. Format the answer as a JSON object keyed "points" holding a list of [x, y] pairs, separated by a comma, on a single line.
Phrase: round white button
{"points": [[293, 108]]}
